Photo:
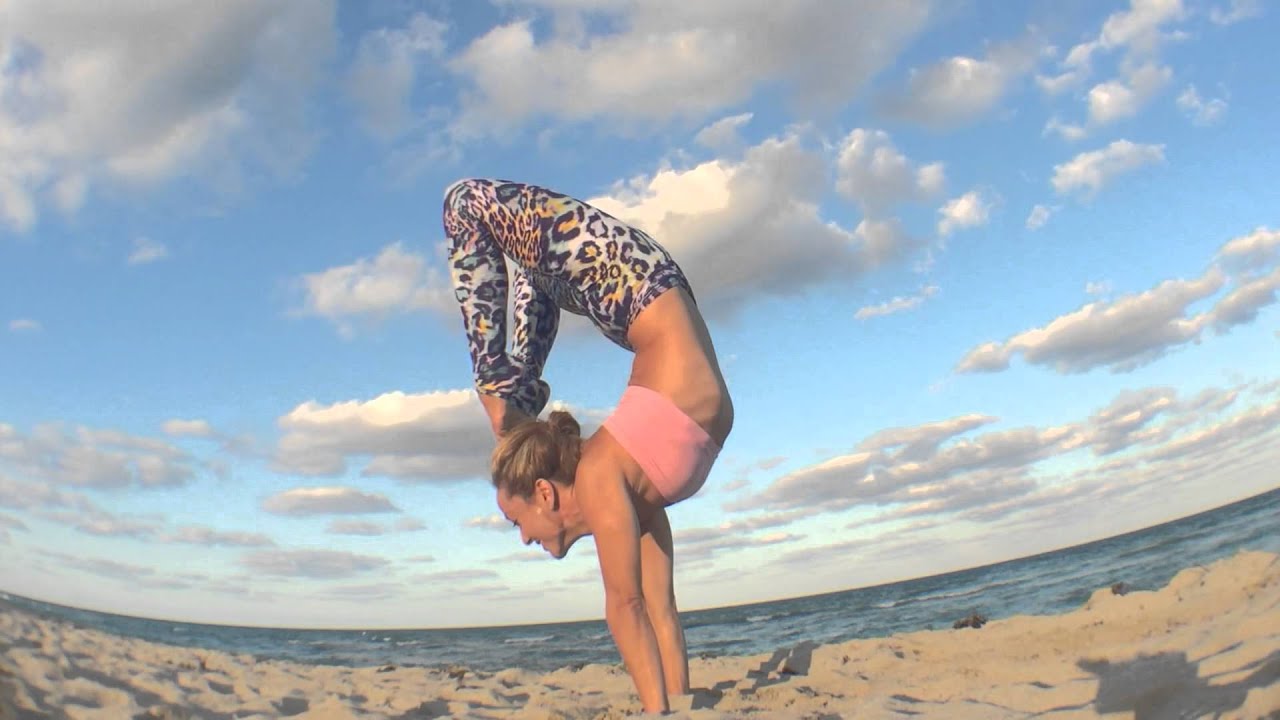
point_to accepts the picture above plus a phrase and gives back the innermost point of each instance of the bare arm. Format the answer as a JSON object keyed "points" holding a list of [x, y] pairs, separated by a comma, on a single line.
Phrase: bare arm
{"points": [[608, 510], [656, 563]]}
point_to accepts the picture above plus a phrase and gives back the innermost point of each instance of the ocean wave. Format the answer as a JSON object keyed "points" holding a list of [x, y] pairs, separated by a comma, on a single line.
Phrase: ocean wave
{"points": [[950, 595], [528, 640]]}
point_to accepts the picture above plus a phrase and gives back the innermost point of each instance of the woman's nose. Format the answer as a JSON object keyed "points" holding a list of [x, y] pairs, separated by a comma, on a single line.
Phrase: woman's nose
{"points": [[524, 537]]}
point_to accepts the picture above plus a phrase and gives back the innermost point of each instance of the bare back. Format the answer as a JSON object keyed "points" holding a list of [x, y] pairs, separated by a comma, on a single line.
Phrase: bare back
{"points": [[674, 355]]}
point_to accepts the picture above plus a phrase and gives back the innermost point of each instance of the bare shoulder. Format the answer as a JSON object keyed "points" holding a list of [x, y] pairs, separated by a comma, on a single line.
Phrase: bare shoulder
{"points": [[607, 470], [601, 480]]}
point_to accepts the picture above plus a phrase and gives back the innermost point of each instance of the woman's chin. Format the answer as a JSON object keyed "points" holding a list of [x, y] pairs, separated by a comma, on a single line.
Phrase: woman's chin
{"points": [[563, 549]]}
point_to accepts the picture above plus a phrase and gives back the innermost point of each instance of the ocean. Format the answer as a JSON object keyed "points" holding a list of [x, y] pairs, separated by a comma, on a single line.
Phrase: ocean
{"points": [[1049, 583]]}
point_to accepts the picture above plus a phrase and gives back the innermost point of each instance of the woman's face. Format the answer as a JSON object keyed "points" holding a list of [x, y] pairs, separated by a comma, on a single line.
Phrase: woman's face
{"points": [[537, 518]]}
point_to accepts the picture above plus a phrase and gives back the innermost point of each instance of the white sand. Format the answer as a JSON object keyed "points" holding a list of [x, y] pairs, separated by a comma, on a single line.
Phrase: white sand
{"points": [[1206, 645]]}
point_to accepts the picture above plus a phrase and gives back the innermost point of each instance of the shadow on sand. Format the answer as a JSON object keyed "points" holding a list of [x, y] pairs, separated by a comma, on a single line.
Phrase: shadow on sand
{"points": [[777, 669], [1167, 685]]}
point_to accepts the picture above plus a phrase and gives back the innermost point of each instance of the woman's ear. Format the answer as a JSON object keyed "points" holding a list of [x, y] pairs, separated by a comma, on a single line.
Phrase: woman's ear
{"points": [[546, 492]]}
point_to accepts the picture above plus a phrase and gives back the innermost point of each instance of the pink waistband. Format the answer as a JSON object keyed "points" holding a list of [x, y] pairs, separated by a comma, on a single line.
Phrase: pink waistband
{"points": [[674, 452]]}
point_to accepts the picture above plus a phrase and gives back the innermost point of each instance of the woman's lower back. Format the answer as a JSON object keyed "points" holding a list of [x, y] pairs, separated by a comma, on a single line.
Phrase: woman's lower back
{"points": [[675, 356]]}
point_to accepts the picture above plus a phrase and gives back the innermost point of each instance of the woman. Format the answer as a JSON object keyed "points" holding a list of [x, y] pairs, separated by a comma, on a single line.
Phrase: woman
{"points": [[658, 446]]}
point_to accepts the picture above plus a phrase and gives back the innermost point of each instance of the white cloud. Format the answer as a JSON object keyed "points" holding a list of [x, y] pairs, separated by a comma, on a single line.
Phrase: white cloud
{"points": [[28, 495], [919, 467], [967, 211], [138, 575], [1256, 251], [1217, 441], [408, 524], [960, 89], [872, 172], [355, 527], [525, 556], [394, 281], [1128, 332], [1097, 288], [188, 428], [103, 524], [1242, 304], [454, 577], [740, 526], [490, 522], [1129, 420], [1124, 97], [1136, 329], [17, 206], [1057, 84], [1075, 67], [381, 79], [723, 133], [1090, 171], [210, 537], [897, 304], [318, 564], [737, 228], [146, 250], [327, 501], [433, 436], [23, 325], [915, 442], [1138, 34], [364, 593], [1140, 28], [1152, 440], [742, 229], [1238, 10], [1039, 216], [13, 523], [1198, 110], [666, 59], [92, 98], [1066, 131], [439, 436], [89, 457], [695, 547]]}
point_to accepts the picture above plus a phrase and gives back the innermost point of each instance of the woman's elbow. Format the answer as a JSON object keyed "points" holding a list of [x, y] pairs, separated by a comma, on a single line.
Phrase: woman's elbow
{"points": [[623, 604]]}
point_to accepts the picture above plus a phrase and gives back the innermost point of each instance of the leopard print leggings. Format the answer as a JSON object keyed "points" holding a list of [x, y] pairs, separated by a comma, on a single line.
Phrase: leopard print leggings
{"points": [[568, 255]]}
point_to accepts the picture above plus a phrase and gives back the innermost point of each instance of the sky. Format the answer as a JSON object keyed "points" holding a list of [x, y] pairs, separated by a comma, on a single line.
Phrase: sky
{"points": [[986, 279]]}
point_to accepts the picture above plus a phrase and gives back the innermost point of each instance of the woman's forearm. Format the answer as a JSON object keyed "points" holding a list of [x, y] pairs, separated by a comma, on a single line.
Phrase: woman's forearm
{"points": [[638, 645]]}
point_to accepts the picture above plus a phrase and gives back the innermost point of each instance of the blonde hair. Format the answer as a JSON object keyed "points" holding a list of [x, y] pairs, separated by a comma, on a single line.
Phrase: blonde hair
{"points": [[537, 449]]}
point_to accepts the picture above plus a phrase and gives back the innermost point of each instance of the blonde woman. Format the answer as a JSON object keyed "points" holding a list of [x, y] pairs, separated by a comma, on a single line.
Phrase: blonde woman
{"points": [[660, 443]]}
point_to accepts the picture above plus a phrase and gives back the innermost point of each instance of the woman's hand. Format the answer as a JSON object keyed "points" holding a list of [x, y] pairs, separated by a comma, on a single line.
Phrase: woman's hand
{"points": [[502, 415]]}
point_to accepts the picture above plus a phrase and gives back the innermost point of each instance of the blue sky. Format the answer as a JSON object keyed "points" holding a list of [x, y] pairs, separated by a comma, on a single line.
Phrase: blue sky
{"points": [[987, 279]]}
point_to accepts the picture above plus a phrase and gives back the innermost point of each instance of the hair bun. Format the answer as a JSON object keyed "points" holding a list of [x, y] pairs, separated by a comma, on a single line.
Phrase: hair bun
{"points": [[563, 424]]}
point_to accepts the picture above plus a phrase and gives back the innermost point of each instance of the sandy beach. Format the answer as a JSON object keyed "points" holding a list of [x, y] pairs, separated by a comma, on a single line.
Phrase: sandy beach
{"points": [[1205, 645]]}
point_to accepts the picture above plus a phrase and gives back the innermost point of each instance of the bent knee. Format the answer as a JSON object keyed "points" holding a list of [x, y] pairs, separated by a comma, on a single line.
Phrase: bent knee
{"points": [[456, 195], [460, 185]]}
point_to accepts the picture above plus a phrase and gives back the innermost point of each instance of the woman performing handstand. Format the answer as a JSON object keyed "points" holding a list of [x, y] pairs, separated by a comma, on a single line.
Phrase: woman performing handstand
{"points": [[659, 444]]}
